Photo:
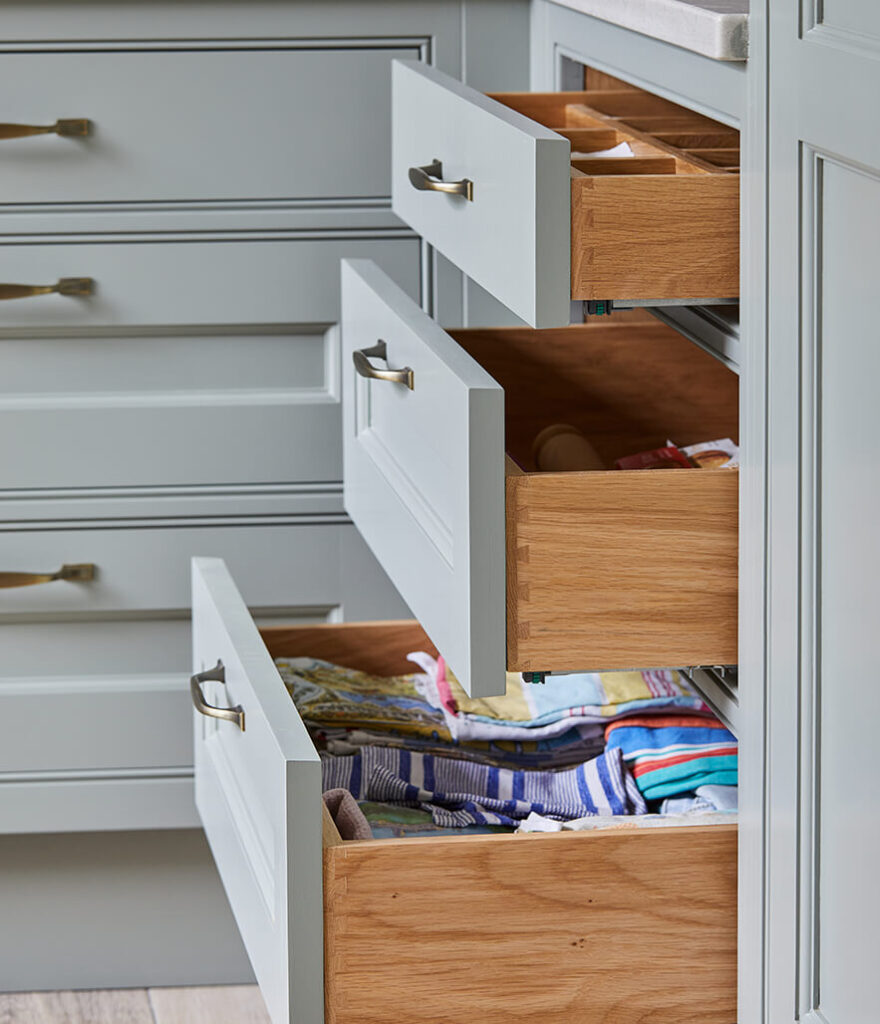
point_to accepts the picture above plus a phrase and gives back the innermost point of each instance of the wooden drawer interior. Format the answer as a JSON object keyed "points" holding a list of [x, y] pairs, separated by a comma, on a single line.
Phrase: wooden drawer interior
{"points": [[661, 223], [594, 926], [616, 569]]}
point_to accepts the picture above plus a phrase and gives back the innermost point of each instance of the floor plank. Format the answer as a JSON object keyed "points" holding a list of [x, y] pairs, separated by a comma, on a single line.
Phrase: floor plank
{"points": [[221, 1004], [123, 1006]]}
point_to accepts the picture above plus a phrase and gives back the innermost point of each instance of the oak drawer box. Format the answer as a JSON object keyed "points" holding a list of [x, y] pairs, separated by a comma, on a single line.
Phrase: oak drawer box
{"points": [[546, 929], [506, 566], [220, 122], [536, 226]]}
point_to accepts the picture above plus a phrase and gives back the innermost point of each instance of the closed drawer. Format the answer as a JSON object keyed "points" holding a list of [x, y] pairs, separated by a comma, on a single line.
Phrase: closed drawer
{"points": [[94, 728], [501, 939], [221, 122], [503, 565], [541, 226], [143, 572], [185, 360]]}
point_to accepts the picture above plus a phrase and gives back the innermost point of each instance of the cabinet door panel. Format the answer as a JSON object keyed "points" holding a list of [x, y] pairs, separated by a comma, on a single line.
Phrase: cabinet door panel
{"points": [[824, 256]]}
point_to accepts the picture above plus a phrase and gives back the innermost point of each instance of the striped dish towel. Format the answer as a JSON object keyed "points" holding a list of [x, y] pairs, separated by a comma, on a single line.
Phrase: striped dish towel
{"points": [[672, 754], [460, 793]]}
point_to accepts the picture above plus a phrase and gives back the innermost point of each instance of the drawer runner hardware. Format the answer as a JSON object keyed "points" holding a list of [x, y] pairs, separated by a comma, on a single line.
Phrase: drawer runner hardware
{"points": [[77, 127], [604, 307], [429, 179], [361, 358], [217, 674], [78, 573], [75, 286]]}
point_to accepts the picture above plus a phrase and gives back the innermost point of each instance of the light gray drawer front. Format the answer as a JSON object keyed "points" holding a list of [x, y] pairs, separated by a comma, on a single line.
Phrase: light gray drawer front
{"points": [[258, 794], [231, 123], [96, 705], [513, 238], [146, 569], [145, 383], [424, 474]]}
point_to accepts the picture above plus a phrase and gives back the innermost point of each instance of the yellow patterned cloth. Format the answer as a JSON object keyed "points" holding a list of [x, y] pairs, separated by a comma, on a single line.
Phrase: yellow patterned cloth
{"points": [[333, 696]]}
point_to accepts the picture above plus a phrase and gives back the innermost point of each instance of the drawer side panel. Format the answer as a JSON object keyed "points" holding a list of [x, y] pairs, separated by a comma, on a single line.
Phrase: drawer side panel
{"points": [[622, 570]]}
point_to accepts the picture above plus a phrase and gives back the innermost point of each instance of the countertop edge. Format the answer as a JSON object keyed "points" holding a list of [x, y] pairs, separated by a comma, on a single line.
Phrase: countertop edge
{"points": [[716, 34]]}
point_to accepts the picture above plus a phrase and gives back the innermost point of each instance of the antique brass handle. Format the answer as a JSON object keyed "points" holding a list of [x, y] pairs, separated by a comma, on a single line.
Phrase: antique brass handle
{"points": [[70, 126], [361, 358], [429, 179], [217, 673], [80, 573], [76, 286]]}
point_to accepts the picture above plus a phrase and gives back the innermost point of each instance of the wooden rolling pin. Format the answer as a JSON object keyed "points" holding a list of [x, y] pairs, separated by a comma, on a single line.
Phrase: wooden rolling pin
{"points": [[562, 447]]}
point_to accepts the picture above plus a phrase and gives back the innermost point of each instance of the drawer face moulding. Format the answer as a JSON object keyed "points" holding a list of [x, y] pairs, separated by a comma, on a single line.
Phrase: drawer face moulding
{"points": [[509, 190], [168, 124], [184, 363]]}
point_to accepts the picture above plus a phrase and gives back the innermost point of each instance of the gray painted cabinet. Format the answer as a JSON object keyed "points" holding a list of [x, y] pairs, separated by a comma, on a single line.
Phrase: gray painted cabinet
{"points": [[190, 405], [822, 809], [213, 319]]}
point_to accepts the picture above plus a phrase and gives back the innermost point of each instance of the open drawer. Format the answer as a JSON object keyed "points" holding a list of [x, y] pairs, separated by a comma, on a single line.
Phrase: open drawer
{"points": [[506, 188], [581, 570], [543, 929]]}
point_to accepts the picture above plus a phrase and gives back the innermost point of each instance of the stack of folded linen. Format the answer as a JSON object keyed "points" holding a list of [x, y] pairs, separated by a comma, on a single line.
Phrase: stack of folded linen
{"points": [[346, 709], [582, 701], [419, 741], [673, 755]]}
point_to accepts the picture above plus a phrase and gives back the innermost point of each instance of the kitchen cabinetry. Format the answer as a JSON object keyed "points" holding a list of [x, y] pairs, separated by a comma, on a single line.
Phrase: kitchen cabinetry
{"points": [[184, 402]]}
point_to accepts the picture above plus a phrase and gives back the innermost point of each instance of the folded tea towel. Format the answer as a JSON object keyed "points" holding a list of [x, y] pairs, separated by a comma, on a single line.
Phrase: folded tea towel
{"points": [[571, 748], [674, 754], [347, 816], [464, 793], [538, 711]]}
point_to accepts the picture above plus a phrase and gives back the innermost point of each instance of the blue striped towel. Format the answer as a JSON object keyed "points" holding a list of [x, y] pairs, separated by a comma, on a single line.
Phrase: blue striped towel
{"points": [[460, 793]]}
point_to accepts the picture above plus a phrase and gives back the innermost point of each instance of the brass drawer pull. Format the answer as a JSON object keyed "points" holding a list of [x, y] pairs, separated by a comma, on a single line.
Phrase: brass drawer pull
{"points": [[70, 126], [79, 573], [217, 673], [361, 358], [429, 179], [76, 286]]}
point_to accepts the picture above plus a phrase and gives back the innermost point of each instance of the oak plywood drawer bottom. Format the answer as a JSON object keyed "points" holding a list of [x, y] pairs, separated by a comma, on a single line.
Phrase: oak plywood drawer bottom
{"points": [[581, 571], [545, 929]]}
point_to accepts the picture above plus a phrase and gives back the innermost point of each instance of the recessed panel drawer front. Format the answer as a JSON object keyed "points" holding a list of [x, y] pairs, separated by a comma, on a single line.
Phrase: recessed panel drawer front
{"points": [[93, 697], [424, 470], [183, 363], [385, 916], [607, 569], [537, 220], [272, 122]]}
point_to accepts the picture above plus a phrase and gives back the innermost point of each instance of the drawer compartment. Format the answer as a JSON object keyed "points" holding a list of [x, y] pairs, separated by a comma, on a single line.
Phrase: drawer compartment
{"points": [[602, 570], [544, 226], [541, 928], [222, 123], [184, 360]]}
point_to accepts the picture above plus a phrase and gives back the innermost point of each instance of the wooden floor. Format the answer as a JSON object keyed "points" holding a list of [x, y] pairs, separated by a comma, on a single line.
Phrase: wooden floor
{"points": [[225, 1004]]}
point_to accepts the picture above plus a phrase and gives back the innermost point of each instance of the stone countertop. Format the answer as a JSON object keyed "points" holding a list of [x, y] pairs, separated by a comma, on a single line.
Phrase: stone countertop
{"points": [[714, 28]]}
